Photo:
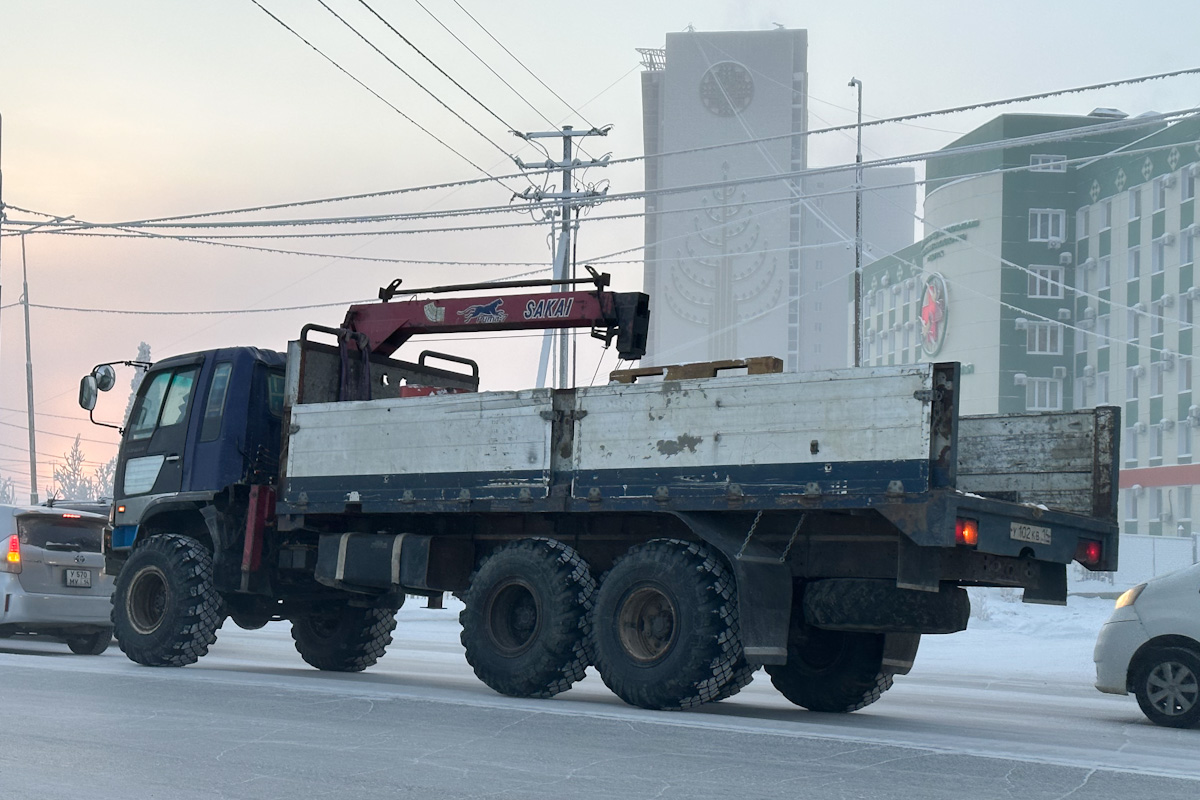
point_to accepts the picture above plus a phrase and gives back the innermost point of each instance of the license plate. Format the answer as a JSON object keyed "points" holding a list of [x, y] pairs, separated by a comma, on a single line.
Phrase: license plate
{"points": [[1029, 533], [81, 578]]}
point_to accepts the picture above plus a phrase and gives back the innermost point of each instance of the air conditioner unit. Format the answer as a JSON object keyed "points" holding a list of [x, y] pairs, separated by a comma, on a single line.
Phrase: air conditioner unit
{"points": [[1194, 169], [1164, 516], [1167, 238], [1088, 263], [1166, 424], [1140, 427], [1137, 489], [1167, 300], [1060, 372], [1140, 370], [1089, 371], [1054, 244], [1192, 293], [1065, 258], [1089, 313], [1020, 379], [1021, 324], [1064, 314], [1193, 412], [884, 281], [1168, 180]]}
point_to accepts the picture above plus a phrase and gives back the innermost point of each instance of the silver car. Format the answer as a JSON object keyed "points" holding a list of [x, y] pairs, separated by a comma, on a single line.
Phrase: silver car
{"points": [[1151, 647], [52, 579]]}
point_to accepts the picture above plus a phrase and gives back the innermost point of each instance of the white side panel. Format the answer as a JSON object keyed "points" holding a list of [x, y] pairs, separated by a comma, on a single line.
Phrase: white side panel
{"points": [[852, 415], [456, 433]]}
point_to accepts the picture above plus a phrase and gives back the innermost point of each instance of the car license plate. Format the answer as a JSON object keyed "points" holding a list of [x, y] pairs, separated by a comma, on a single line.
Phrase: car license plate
{"points": [[81, 578], [1029, 533]]}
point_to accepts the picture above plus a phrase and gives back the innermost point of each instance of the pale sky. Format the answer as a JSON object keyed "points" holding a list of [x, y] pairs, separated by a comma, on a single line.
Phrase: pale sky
{"points": [[132, 109]]}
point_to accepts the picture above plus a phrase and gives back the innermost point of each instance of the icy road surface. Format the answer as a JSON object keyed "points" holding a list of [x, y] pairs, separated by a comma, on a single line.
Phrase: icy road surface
{"points": [[1004, 710]]}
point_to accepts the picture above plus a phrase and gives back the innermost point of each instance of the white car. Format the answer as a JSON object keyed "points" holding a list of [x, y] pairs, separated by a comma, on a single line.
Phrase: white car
{"points": [[1151, 647], [52, 578]]}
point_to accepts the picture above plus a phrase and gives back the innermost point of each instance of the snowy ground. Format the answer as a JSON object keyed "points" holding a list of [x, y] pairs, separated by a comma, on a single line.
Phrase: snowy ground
{"points": [[1003, 710]]}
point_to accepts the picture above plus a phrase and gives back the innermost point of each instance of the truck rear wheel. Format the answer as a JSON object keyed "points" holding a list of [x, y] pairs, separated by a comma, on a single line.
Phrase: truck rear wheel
{"points": [[666, 628], [835, 671], [165, 609], [527, 619], [343, 638]]}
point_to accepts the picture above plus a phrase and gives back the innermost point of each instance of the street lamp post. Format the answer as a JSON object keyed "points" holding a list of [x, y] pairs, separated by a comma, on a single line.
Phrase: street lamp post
{"points": [[858, 184]]}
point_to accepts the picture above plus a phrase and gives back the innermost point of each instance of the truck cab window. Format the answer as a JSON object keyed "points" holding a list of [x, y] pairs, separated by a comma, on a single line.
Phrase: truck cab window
{"points": [[164, 403], [275, 393], [175, 406], [145, 413], [214, 409]]}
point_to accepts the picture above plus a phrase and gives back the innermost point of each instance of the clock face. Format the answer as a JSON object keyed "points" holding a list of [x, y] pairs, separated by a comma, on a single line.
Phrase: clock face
{"points": [[726, 89]]}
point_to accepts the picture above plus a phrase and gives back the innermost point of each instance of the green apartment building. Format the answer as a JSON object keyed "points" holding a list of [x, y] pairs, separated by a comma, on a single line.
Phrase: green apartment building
{"points": [[1057, 266]]}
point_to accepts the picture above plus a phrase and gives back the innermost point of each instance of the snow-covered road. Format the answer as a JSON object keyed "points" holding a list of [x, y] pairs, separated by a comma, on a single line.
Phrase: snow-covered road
{"points": [[1005, 709]]}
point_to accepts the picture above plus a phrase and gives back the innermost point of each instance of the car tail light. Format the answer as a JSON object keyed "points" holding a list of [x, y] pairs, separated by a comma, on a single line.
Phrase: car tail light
{"points": [[966, 532], [12, 555], [72, 516], [1089, 552]]}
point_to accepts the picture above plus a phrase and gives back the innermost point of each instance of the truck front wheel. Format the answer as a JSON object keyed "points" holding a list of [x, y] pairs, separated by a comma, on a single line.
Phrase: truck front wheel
{"points": [[527, 618], [343, 638], [835, 671], [666, 628], [165, 609]]}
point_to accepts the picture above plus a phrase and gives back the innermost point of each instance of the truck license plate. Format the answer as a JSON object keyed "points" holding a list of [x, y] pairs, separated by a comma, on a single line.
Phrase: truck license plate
{"points": [[81, 578], [1029, 533]]}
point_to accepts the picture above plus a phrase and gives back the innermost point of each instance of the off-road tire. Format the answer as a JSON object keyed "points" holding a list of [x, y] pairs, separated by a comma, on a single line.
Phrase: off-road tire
{"points": [[165, 609], [344, 638], [834, 671], [743, 675], [90, 644], [665, 626], [1166, 683], [527, 618]]}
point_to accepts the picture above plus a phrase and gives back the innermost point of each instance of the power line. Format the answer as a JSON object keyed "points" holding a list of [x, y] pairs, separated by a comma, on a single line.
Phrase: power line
{"points": [[491, 36], [380, 97]]}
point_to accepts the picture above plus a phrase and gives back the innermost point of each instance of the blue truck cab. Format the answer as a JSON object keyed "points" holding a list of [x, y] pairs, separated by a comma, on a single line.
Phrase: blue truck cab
{"points": [[202, 425]]}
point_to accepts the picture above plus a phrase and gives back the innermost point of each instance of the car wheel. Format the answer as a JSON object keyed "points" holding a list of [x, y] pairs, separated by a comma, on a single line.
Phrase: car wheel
{"points": [[1167, 687], [90, 644]]}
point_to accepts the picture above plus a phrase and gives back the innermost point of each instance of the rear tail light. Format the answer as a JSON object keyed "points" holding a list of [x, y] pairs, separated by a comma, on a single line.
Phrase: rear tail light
{"points": [[12, 555], [1089, 552], [966, 532]]}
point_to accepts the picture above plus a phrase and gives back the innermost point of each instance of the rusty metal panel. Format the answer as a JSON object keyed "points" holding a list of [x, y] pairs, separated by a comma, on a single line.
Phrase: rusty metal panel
{"points": [[1063, 460], [877, 414]]}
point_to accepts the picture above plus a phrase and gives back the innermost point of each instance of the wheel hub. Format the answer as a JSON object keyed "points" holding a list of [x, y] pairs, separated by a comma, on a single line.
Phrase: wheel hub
{"points": [[513, 617], [646, 624], [147, 600], [1172, 688]]}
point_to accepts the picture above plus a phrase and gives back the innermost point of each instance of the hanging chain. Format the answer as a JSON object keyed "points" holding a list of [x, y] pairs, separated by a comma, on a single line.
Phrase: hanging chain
{"points": [[746, 543], [792, 541]]}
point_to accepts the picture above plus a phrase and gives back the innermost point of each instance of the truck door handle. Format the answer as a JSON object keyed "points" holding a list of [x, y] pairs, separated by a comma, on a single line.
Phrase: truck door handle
{"points": [[171, 458]]}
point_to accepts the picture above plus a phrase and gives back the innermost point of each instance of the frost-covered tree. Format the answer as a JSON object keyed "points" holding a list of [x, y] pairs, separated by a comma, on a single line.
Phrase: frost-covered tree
{"points": [[8, 490], [71, 481]]}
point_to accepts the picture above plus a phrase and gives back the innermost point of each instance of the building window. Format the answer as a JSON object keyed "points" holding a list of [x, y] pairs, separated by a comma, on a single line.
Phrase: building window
{"points": [[1043, 394], [1081, 224], [1187, 311], [1081, 341], [1104, 273], [1102, 389], [1135, 203], [1135, 325], [1131, 499], [1044, 338], [1187, 248], [1185, 373], [1159, 190], [1155, 504], [1158, 256], [1080, 394], [1156, 379], [1131, 383], [1135, 263], [1044, 163], [1081, 282], [1156, 444], [1184, 509], [1106, 215], [1187, 183], [1103, 330], [1185, 443], [1046, 224], [1156, 318], [1045, 282]]}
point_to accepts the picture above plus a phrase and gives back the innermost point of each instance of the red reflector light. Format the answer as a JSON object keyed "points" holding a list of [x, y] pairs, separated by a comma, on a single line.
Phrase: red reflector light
{"points": [[966, 532], [72, 516], [12, 555], [1089, 552]]}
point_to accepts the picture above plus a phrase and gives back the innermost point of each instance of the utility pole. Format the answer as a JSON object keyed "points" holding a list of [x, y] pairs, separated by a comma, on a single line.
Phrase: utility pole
{"points": [[571, 201], [33, 489], [858, 186]]}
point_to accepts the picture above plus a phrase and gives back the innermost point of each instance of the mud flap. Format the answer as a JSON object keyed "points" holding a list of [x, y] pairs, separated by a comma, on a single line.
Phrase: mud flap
{"points": [[764, 586]]}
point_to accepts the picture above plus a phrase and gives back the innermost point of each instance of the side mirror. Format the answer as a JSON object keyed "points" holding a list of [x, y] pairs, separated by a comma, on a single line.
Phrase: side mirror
{"points": [[88, 389], [106, 377]]}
